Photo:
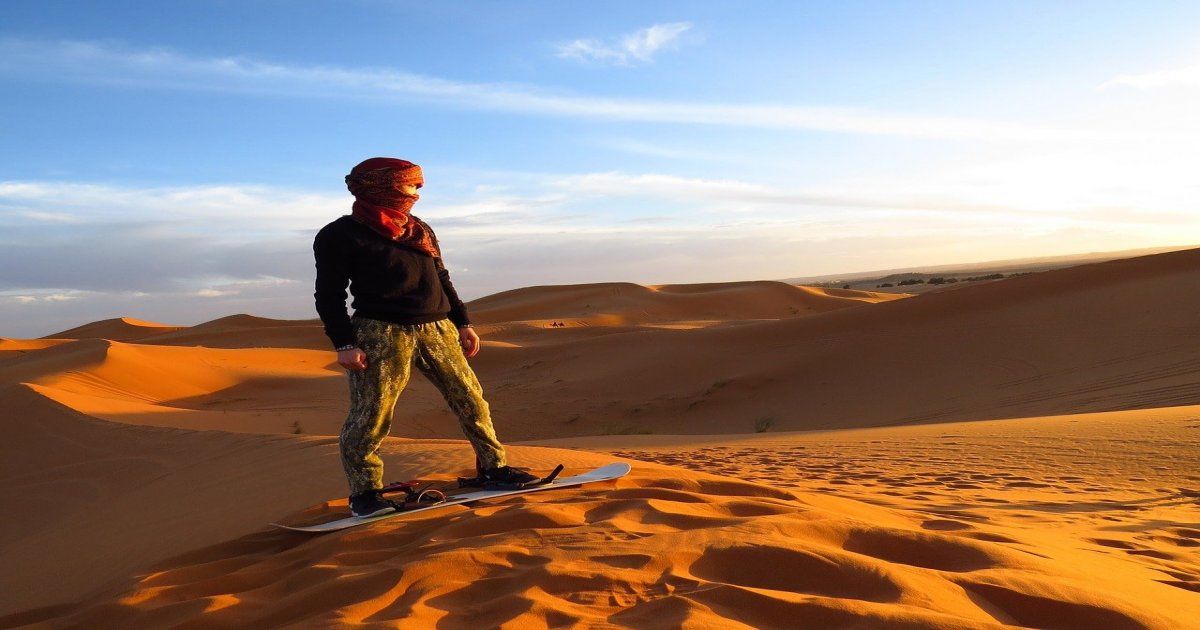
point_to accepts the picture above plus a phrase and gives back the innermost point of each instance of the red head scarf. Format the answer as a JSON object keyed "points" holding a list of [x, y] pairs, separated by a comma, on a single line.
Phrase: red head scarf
{"points": [[381, 205]]}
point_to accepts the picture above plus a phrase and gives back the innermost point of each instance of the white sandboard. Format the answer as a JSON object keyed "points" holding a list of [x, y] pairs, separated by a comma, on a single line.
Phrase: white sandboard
{"points": [[604, 473]]}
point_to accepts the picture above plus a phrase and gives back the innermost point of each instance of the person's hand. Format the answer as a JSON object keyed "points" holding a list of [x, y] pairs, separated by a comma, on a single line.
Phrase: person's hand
{"points": [[352, 359], [469, 341]]}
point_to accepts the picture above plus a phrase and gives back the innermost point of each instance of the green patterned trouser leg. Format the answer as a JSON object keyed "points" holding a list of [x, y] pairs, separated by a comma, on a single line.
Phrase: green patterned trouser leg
{"points": [[392, 350]]}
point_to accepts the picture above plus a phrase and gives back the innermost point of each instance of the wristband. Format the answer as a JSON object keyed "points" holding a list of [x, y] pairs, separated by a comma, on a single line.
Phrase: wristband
{"points": [[348, 346]]}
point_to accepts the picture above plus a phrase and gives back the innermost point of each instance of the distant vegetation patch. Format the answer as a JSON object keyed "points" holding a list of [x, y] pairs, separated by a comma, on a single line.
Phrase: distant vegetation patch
{"points": [[951, 279]]}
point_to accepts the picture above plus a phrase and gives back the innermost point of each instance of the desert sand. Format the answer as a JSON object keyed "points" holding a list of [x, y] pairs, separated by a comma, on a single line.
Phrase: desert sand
{"points": [[1013, 453]]}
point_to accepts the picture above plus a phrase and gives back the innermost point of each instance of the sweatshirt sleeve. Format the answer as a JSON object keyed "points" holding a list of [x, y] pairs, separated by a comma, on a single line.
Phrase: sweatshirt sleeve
{"points": [[458, 310], [333, 275]]}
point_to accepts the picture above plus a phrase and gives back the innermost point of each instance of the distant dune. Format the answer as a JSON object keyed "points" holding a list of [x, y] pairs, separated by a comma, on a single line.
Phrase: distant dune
{"points": [[1105, 336], [1097, 337], [248, 331], [25, 345], [144, 461], [624, 303], [117, 329]]}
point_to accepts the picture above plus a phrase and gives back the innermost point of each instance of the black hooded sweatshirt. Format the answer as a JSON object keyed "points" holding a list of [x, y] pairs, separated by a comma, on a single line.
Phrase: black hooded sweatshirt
{"points": [[389, 282]]}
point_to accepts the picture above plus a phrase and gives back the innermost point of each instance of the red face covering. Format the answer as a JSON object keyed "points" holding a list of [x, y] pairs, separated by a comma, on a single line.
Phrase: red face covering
{"points": [[381, 205]]}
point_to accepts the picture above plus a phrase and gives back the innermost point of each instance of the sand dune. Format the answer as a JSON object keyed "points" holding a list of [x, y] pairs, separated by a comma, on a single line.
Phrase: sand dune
{"points": [[179, 386], [247, 373], [25, 345], [1117, 483], [118, 329], [146, 467], [1108, 336], [661, 549], [248, 331], [622, 303], [103, 499]]}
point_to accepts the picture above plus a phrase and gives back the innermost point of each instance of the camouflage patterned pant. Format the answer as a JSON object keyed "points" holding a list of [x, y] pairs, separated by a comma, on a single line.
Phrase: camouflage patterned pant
{"points": [[392, 350]]}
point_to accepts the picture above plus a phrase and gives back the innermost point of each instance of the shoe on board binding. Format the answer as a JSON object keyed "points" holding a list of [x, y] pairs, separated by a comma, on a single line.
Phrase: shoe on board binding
{"points": [[506, 478], [370, 503]]}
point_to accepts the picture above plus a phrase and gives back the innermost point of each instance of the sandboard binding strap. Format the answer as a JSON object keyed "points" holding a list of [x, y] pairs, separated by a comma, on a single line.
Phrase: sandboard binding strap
{"points": [[414, 494], [482, 482]]}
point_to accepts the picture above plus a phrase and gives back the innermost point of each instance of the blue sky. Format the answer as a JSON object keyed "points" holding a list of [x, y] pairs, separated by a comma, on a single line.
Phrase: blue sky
{"points": [[171, 161]]}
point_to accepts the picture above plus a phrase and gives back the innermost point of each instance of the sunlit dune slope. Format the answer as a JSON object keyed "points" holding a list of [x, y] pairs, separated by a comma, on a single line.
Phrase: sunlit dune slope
{"points": [[1119, 483], [663, 548], [93, 501], [118, 329], [260, 390], [17, 346]]}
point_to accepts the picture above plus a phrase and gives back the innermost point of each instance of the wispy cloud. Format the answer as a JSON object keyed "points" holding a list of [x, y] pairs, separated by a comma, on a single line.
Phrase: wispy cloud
{"points": [[163, 69], [166, 253], [260, 209], [659, 150], [1185, 76], [639, 46]]}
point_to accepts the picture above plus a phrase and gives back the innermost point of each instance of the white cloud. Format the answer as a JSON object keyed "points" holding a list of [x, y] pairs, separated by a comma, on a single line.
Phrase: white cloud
{"points": [[40, 296], [162, 69], [544, 229], [654, 149], [204, 208], [639, 46], [1187, 76], [214, 293]]}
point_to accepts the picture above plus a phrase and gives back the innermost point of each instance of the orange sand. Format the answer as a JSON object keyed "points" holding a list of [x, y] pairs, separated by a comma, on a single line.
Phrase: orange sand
{"points": [[165, 449]]}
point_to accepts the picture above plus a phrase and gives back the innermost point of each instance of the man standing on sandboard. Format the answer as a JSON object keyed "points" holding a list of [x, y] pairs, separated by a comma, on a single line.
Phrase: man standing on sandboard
{"points": [[406, 312]]}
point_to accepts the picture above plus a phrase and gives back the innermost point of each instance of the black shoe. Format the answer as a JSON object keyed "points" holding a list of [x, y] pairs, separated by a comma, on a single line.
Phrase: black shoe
{"points": [[507, 475], [369, 503]]}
